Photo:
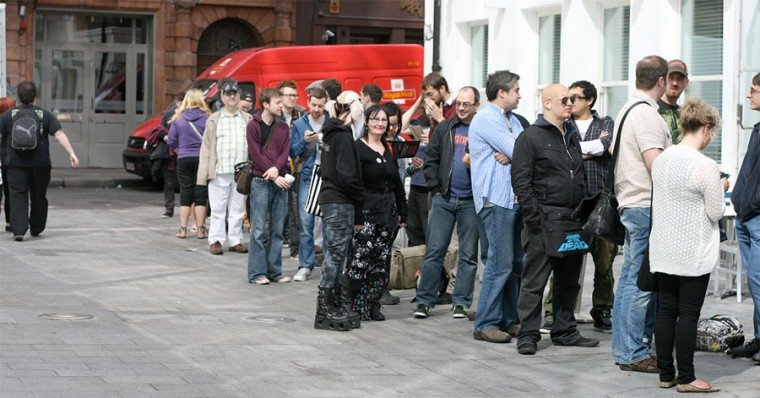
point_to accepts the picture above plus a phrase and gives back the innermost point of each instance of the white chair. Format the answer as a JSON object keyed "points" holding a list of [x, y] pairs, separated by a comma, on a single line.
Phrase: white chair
{"points": [[730, 263]]}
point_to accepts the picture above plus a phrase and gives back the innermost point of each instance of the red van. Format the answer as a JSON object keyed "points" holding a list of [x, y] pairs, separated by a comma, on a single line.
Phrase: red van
{"points": [[396, 68]]}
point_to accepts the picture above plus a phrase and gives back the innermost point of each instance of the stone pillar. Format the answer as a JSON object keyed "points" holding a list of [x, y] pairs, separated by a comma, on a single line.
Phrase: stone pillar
{"points": [[283, 30], [183, 58]]}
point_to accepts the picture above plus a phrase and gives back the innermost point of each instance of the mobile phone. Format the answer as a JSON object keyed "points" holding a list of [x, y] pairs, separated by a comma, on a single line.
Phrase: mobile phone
{"points": [[724, 175]]}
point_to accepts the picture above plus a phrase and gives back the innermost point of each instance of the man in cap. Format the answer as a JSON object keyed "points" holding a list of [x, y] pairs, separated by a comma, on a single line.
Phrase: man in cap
{"points": [[678, 80], [246, 102]]}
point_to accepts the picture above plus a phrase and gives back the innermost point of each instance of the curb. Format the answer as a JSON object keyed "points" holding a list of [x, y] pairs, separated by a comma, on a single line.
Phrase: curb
{"points": [[105, 182]]}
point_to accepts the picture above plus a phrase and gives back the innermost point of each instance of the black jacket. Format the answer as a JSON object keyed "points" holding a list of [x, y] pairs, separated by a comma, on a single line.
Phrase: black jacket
{"points": [[746, 194], [547, 169], [340, 167], [439, 155]]}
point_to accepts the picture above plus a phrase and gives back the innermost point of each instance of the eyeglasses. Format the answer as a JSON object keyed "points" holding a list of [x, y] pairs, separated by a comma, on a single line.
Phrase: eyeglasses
{"points": [[290, 95], [565, 100], [465, 105], [378, 120], [576, 97]]}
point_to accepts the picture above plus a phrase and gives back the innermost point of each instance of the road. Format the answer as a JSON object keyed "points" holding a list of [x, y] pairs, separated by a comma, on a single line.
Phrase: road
{"points": [[171, 320]]}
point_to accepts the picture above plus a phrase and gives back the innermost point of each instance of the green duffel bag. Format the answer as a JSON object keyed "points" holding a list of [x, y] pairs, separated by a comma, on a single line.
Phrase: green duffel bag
{"points": [[406, 264]]}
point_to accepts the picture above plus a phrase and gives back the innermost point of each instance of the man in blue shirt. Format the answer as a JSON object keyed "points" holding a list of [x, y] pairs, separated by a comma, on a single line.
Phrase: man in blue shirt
{"points": [[448, 179], [495, 129]]}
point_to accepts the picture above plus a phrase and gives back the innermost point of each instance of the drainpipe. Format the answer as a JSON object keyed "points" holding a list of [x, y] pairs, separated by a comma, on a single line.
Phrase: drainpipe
{"points": [[436, 35]]}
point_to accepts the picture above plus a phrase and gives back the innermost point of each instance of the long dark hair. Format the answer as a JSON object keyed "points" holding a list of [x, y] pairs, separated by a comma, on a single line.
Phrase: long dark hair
{"points": [[372, 111], [392, 109]]}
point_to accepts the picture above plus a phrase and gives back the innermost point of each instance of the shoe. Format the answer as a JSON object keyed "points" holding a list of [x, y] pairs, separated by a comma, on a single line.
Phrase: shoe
{"points": [[168, 214], [492, 336], [602, 320], [459, 311], [302, 275], [34, 234], [182, 234], [388, 298], [648, 365], [374, 312], [216, 248], [201, 232], [756, 358], [285, 244], [421, 311], [7, 227], [667, 384], [693, 388], [580, 342], [317, 249], [330, 316], [746, 351], [262, 280], [282, 279], [444, 299], [294, 256], [344, 300], [513, 329], [526, 347], [547, 327], [18, 238], [238, 248], [471, 315]]}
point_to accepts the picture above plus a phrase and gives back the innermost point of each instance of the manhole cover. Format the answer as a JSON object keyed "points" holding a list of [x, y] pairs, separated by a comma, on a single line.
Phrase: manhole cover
{"points": [[269, 319], [66, 317]]}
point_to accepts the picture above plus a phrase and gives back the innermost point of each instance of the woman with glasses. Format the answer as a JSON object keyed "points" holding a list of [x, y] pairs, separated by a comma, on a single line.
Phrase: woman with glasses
{"points": [[384, 209], [684, 245]]}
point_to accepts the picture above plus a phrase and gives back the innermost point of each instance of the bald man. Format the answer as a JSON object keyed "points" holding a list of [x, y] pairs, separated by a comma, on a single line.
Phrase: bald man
{"points": [[547, 176]]}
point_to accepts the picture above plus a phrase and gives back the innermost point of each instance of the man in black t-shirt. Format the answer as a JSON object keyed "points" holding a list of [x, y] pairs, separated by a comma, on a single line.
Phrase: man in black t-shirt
{"points": [[29, 171]]}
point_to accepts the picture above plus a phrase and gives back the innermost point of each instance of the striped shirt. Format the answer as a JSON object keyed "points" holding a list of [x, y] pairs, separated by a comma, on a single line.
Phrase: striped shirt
{"points": [[231, 144], [492, 131]]}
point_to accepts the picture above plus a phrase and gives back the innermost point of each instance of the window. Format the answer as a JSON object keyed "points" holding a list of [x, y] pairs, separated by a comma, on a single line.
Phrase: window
{"points": [[549, 31], [614, 89], [479, 55], [703, 54]]}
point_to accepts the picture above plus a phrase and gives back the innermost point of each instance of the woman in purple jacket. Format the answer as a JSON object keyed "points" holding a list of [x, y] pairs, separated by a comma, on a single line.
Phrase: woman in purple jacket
{"points": [[185, 136]]}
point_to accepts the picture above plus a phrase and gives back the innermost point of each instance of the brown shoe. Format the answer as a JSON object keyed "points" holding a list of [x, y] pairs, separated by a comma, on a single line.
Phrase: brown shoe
{"points": [[492, 336], [513, 329], [238, 248], [647, 365], [216, 248]]}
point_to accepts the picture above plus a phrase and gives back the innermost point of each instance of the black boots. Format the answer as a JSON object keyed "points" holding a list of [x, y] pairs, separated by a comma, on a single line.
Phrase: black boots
{"points": [[329, 316], [344, 299], [375, 313]]}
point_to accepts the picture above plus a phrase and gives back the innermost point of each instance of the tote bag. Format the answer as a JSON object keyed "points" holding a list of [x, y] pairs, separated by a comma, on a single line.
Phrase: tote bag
{"points": [[312, 200]]}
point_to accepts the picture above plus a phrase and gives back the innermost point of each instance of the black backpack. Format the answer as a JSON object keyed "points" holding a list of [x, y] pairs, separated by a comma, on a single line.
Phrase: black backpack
{"points": [[26, 130]]}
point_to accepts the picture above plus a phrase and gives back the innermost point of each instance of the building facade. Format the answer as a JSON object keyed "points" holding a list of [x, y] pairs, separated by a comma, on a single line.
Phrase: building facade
{"points": [[561, 41]]}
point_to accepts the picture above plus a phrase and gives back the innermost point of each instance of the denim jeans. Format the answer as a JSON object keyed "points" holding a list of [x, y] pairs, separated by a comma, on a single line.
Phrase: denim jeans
{"points": [[306, 258], [445, 212], [268, 202], [497, 303], [338, 227], [748, 235], [629, 311]]}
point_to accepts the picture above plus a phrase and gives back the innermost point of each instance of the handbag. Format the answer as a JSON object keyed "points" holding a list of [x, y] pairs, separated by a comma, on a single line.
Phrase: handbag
{"points": [[563, 235], [647, 281], [244, 170], [312, 199], [599, 212]]}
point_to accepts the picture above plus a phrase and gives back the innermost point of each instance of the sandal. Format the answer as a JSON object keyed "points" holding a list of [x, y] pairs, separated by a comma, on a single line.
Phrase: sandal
{"points": [[693, 388], [202, 232], [182, 234]]}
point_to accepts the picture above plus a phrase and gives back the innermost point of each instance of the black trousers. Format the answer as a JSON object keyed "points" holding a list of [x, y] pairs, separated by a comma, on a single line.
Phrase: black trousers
{"points": [[538, 266], [28, 186], [681, 299], [416, 222], [189, 192], [6, 193]]}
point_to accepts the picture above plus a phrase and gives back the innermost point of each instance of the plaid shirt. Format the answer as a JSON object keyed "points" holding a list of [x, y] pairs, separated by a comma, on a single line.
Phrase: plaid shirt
{"points": [[231, 144], [595, 168]]}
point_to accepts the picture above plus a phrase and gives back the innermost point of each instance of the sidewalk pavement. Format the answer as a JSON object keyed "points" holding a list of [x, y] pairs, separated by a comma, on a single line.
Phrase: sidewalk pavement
{"points": [[171, 320], [68, 177]]}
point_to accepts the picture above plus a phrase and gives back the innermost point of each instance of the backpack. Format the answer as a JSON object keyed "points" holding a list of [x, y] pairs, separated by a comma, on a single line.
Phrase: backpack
{"points": [[719, 333], [27, 127]]}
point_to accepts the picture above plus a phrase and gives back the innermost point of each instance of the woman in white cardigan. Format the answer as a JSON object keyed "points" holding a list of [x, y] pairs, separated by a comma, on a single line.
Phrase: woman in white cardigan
{"points": [[684, 243]]}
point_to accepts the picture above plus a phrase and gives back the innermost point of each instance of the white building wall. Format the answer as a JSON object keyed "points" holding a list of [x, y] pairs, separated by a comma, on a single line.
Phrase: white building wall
{"points": [[655, 28]]}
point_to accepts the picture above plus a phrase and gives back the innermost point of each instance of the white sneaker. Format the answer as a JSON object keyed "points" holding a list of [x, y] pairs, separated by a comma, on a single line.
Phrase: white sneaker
{"points": [[302, 274]]}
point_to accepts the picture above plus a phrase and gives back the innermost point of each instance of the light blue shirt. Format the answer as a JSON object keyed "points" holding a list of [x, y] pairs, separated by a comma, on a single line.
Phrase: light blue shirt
{"points": [[492, 131]]}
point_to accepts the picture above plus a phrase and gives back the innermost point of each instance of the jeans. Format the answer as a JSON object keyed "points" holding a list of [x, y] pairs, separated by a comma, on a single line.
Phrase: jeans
{"points": [[630, 308], [497, 303], [681, 299], [445, 212], [306, 257], [748, 235], [268, 201], [564, 289], [28, 198], [338, 227]]}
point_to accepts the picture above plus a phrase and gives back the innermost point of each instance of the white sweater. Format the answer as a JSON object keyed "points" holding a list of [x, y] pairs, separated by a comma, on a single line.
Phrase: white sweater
{"points": [[687, 204]]}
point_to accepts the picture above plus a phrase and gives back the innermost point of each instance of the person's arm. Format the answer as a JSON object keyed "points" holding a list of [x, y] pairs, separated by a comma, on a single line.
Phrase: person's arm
{"points": [[522, 181], [649, 156], [297, 141], [282, 158], [712, 191], [256, 155], [494, 132], [60, 136], [406, 118], [398, 190], [173, 141]]}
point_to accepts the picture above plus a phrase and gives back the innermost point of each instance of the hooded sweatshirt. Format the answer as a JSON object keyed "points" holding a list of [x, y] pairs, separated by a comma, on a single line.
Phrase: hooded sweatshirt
{"points": [[340, 168], [182, 136]]}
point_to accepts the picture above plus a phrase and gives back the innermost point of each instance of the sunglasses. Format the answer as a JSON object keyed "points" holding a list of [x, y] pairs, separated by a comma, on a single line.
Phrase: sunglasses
{"points": [[566, 100]]}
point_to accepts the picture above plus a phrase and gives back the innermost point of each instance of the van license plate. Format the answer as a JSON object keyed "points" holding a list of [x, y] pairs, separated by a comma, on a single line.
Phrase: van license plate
{"points": [[130, 166]]}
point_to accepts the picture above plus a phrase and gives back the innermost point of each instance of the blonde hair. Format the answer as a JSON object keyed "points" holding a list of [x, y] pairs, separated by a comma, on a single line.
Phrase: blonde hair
{"points": [[696, 113], [193, 99]]}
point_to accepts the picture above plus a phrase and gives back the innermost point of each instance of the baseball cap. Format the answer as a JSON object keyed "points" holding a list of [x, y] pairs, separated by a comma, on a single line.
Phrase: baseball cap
{"points": [[678, 66], [229, 87], [247, 97]]}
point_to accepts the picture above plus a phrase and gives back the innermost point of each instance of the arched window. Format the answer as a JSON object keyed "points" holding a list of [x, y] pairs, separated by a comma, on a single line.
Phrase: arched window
{"points": [[223, 37]]}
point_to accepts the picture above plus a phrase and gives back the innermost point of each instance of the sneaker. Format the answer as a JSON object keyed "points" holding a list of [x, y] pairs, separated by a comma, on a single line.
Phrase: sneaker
{"points": [[421, 311], [602, 320], [547, 327], [746, 351], [18, 238], [389, 299], [581, 342], [302, 275], [459, 311], [168, 214], [262, 280], [282, 279]]}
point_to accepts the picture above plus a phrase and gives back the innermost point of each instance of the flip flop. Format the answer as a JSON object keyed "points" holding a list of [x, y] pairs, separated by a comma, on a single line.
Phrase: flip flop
{"points": [[202, 232], [182, 234]]}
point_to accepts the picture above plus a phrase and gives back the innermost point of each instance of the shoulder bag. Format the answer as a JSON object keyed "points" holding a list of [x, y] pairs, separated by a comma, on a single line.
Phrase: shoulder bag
{"points": [[244, 170]]}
